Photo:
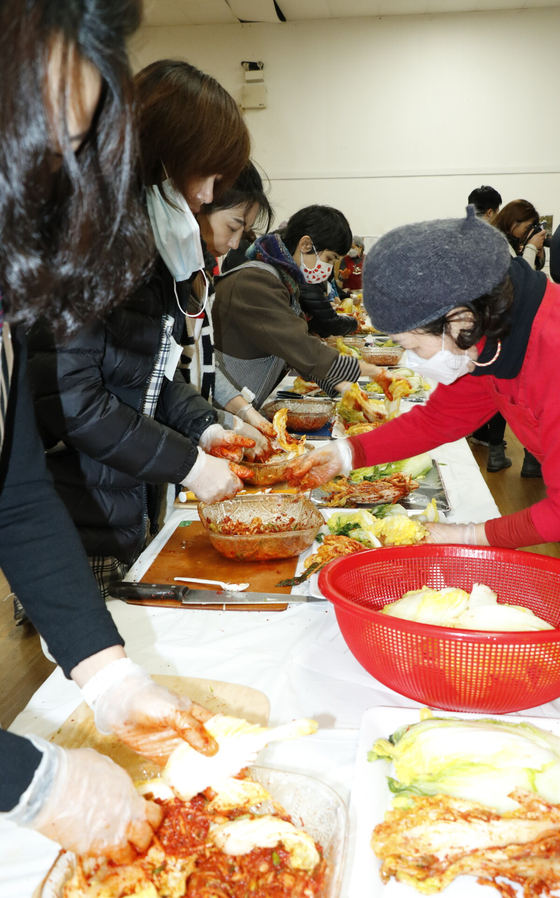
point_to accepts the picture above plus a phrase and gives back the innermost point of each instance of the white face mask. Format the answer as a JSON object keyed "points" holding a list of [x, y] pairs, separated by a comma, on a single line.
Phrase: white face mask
{"points": [[319, 273], [445, 366], [176, 231], [353, 253]]}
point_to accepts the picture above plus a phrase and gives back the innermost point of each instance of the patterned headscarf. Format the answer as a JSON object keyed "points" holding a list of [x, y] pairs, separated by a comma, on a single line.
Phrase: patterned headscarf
{"points": [[271, 249]]}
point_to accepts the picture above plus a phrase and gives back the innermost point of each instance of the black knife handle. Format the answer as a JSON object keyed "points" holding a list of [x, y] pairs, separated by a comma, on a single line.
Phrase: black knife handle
{"points": [[123, 589]]}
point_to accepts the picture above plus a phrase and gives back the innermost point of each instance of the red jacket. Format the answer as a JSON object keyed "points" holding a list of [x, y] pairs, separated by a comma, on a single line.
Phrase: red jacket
{"points": [[354, 268], [530, 403]]}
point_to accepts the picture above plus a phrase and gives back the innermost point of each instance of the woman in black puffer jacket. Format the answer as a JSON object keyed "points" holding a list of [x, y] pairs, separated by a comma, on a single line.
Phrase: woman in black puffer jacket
{"points": [[106, 455], [322, 319], [117, 419]]}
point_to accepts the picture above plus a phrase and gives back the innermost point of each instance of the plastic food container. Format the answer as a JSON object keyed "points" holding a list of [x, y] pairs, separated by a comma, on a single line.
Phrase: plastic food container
{"points": [[312, 805], [267, 473], [375, 355], [303, 414], [455, 670], [382, 355], [292, 523]]}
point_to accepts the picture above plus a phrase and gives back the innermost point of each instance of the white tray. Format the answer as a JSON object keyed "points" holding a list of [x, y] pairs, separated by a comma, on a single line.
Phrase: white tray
{"points": [[371, 798]]}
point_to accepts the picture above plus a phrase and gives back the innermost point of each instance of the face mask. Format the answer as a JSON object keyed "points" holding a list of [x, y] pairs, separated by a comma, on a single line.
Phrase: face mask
{"points": [[445, 366], [353, 253], [176, 231], [319, 273]]}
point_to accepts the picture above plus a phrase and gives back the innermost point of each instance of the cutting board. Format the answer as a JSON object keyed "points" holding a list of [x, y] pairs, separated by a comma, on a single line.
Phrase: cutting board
{"points": [[79, 731], [189, 553]]}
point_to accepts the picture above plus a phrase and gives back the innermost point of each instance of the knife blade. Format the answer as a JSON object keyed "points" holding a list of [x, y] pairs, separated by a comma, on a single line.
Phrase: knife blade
{"points": [[129, 589]]}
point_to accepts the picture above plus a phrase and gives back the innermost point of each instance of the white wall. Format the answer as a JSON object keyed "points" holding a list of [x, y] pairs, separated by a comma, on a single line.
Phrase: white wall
{"points": [[393, 119]]}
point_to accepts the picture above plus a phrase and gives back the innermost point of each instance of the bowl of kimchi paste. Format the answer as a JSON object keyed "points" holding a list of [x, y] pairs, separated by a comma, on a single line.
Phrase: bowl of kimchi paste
{"points": [[261, 528]]}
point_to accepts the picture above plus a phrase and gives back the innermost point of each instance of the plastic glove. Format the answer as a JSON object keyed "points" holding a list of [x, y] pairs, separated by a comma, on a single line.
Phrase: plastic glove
{"points": [[321, 465], [263, 446], [211, 479], [144, 715], [452, 534], [88, 804], [251, 416], [224, 443]]}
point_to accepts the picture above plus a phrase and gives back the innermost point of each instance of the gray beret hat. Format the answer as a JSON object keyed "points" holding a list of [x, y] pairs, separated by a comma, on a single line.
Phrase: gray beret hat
{"points": [[416, 273], [358, 241]]}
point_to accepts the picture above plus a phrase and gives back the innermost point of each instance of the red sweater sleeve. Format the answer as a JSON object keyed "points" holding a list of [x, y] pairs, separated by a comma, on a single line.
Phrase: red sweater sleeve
{"points": [[513, 531], [452, 412]]}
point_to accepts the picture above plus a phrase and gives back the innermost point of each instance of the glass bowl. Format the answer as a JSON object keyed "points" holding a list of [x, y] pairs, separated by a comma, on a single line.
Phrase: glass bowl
{"points": [[374, 355], [267, 473], [303, 414], [312, 805], [296, 515]]}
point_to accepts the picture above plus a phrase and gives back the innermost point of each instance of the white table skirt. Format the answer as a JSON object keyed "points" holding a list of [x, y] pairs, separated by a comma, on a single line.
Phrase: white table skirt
{"points": [[297, 657]]}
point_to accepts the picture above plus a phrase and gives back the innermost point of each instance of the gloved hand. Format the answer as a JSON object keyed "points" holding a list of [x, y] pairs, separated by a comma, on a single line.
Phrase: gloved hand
{"points": [[262, 448], [211, 479], [452, 534], [87, 803], [321, 465], [368, 369], [224, 443], [144, 715], [251, 416]]}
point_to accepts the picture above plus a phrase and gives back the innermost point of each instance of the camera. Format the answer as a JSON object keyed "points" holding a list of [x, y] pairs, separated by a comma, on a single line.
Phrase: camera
{"points": [[536, 229]]}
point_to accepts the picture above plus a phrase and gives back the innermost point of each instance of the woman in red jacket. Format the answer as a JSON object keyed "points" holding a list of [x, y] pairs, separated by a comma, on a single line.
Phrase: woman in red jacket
{"points": [[486, 327]]}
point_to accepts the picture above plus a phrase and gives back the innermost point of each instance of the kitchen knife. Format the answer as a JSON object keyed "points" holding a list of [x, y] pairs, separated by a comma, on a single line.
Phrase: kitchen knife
{"points": [[285, 394], [125, 589]]}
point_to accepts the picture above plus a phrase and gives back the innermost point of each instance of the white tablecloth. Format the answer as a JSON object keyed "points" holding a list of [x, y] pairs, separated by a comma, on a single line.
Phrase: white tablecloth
{"points": [[297, 657]]}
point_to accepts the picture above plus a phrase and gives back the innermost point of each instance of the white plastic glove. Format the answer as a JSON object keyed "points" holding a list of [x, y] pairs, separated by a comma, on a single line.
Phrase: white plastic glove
{"points": [[262, 444], [321, 465], [144, 715], [251, 416], [211, 479], [86, 803], [452, 534], [224, 443]]}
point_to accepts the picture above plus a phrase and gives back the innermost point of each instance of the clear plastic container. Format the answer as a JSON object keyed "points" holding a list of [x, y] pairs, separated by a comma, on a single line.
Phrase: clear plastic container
{"points": [[297, 514], [303, 415], [313, 805]]}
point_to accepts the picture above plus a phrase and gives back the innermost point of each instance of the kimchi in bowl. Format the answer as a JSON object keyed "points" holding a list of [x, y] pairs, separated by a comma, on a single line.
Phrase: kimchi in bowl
{"points": [[267, 473], [313, 804], [303, 414], [261, 528]]}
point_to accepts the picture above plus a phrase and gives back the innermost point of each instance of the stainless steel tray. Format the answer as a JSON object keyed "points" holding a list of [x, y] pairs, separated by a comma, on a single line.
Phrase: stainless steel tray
{"points": [[431, 487]]}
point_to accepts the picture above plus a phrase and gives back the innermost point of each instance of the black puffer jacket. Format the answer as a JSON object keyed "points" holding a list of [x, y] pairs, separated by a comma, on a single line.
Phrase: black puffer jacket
{"points": [[322, 318], [89, 393]]}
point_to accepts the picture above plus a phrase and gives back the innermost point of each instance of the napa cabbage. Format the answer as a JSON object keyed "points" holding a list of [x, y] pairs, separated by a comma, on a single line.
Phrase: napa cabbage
{"points": [[478, 760], [417, 466]]}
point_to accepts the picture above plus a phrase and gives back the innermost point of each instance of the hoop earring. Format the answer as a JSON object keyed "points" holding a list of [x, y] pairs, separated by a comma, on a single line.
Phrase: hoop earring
{"points": [[492, 360]]}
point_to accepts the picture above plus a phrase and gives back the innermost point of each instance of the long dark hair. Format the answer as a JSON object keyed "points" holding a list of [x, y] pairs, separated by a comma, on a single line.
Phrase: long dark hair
{"points": [[247, 191], [73, 243], [190, 123]]}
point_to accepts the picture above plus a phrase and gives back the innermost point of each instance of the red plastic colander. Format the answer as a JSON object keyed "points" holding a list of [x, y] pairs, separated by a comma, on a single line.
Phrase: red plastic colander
{"points": [[455, 670]]}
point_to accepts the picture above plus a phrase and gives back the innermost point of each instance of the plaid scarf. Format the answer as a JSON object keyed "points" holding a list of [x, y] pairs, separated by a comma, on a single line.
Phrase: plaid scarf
{"points": [[271, 249]]}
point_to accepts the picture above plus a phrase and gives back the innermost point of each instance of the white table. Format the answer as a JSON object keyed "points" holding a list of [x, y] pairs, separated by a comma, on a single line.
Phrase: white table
{"points": [[297, 657]]}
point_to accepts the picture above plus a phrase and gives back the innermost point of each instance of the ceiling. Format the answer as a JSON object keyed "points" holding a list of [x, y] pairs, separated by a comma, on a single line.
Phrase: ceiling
{"points": [[231, 12]]}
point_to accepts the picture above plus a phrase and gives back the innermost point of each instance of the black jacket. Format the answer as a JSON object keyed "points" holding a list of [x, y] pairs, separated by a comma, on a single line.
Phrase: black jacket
{"points": [[89, 394], [46, 566], [322, 318]]}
